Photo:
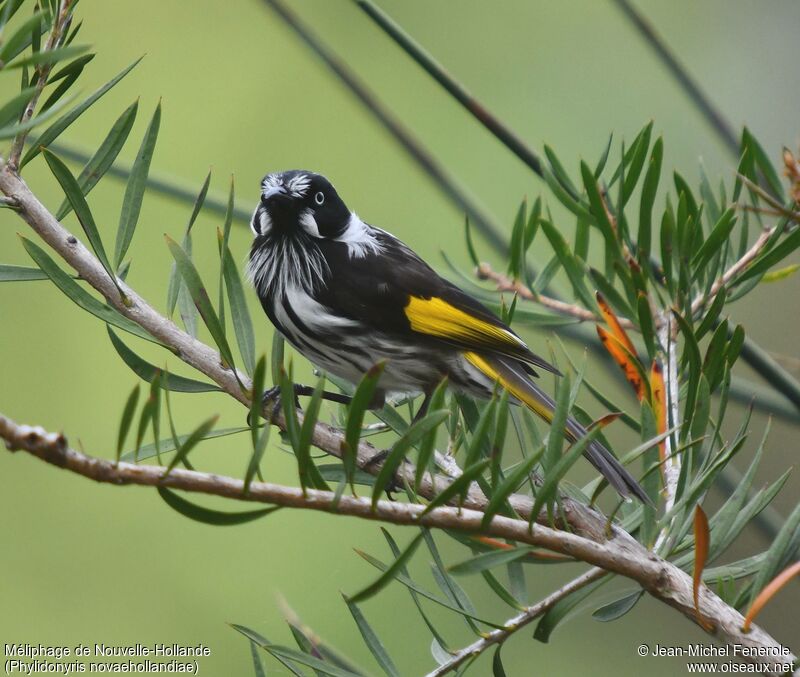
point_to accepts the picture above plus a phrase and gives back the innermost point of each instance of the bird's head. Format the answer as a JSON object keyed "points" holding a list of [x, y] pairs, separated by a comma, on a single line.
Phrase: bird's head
{"points": [[297, 201]]}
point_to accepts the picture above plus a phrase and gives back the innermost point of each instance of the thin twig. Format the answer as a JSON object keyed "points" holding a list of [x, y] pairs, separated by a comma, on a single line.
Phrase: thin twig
{"points": [[730, 274], [519, 621], [672, 466], [43, 72], [504, 283]]}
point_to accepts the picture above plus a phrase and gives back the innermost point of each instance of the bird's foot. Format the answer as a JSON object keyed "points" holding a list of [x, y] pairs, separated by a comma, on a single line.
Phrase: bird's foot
{"points": [[393, 485]]}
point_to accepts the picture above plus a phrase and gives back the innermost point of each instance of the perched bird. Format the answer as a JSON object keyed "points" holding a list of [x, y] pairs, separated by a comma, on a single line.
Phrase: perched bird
{"points": [[347, 295]]}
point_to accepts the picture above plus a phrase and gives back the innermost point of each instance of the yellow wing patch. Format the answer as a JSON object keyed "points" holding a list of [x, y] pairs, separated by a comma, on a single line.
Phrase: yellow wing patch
{"points": [[527, 397], [437, 317]]}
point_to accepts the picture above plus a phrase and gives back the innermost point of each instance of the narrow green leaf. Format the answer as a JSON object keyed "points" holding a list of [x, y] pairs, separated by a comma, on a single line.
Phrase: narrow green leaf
{"points": [[563, 196], [555, 440], [284, 654], [716, 239], [458, 487], [240, 315], [601, 163], [781, 274], [600, 216], [276, 356], [79, 295], [373, 642], [403, 572], [258, 667], [402, 577], [561, 609], [762, 160], [508, 486], [10, 273], [711, 316], [575, 269], [489, 560], [448, 585], [714, 360], [13, 108], [400, 448], [387, 576], [49, 56], [134, 191], [362, 398], [20, 38], [553, 476], [206, 516], [516, 261], [262, 642], [147, 417], [428, 444], [783, 547], [723, 521], [169, 444], [259, 438], [127, 418], [224, 236], [618, 608], [200, 297], [473, 256], [559, 172], [146, 371], [155, 416], [53, 132], [771, 257], [11, 130], [480, 433], [200, 433], [310, 421], [633, 168], [104, 157], [76, 65], [75, 196], [497, 663], [174, 279]]}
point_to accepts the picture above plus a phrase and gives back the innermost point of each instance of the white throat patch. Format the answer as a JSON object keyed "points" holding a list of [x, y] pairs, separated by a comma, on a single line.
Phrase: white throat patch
{"points": [[360, 238]]}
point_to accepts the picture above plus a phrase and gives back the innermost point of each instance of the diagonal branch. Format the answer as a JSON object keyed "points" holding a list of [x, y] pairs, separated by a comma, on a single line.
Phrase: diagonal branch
{"points": [[43, 72], [512, 625]]}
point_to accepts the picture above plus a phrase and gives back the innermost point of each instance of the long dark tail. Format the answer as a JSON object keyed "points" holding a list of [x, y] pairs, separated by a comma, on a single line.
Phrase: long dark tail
{"points": [[510, 374]]}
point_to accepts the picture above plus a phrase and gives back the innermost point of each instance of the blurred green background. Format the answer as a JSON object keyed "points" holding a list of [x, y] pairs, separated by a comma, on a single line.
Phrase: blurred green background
{"points": [[89, 563]]}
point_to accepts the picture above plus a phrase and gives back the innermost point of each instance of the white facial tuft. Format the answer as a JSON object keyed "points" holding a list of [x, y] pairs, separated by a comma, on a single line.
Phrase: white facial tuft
{"points": [[296, 186], [309, 223], [261, 223], [360, 238]]}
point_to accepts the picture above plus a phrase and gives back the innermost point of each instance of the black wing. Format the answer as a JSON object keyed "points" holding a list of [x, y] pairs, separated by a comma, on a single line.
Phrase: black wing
{"points": [[396, 292]]}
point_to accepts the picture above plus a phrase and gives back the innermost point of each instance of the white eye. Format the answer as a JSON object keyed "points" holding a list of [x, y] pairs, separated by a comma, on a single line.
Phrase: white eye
{"points": [[319, 198]]}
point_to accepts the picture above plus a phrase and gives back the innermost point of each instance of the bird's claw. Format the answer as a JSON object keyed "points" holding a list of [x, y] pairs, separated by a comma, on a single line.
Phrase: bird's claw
{"points": [[393, 485]]}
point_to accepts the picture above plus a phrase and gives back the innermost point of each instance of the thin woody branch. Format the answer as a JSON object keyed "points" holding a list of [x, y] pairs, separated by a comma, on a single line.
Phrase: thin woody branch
{"points": [[590, 537], [504, 283], [730, 274], [43, 73], [512, 625]]}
